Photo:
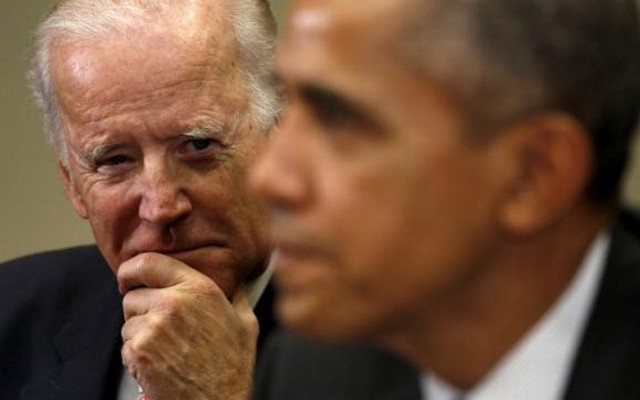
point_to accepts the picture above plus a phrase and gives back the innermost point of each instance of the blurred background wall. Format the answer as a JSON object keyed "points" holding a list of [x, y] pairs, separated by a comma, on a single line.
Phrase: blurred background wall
{"points": [[34, 214]]}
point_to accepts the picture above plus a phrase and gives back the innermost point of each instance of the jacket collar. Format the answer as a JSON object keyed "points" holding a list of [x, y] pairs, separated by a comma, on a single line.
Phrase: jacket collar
{"points": [[608, 362]]}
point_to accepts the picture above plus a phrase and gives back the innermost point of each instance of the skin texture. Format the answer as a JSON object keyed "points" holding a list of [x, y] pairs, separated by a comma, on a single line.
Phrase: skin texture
{"points": [[159, 140], [393, 224]]}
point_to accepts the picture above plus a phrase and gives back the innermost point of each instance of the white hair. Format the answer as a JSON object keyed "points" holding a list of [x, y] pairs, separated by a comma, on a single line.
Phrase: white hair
{"points": [[82, 20]]}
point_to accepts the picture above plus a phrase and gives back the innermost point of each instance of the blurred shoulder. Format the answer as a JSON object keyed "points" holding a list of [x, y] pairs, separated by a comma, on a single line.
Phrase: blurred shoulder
{"points": [[294, 368]]}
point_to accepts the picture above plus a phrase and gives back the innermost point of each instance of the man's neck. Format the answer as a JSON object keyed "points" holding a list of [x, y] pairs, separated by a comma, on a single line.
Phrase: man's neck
{"points": [[462, 340]]}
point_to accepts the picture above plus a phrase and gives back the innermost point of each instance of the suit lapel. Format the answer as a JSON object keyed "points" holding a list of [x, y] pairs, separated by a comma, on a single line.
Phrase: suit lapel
{"points": [[608, 361], [88, 346]]}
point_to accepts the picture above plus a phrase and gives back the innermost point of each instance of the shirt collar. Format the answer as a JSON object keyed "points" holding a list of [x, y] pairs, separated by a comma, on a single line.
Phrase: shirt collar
{"points": [[538, 366], [257, 287]]}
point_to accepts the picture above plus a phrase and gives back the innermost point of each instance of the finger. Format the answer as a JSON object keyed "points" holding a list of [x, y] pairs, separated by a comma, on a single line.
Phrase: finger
{"points": [[133, 327], [139, 345], [131, 358], [140, 300], [151, 270]]}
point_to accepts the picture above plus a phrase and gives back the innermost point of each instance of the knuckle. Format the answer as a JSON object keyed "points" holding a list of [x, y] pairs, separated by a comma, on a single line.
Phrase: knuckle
{"points": [[128, 305], [138, 350], [145, 259], [172, 302], [155, 325], [134, 356], [126, 332]]}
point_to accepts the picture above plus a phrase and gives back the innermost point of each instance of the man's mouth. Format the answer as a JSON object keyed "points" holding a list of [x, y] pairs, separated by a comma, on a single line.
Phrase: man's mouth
{"points": [[291, 250], [186, 254], [179, 249]]}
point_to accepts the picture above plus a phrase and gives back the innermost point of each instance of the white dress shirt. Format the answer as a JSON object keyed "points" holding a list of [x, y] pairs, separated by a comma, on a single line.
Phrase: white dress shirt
{"points": [[128, 389], [537, 368]]}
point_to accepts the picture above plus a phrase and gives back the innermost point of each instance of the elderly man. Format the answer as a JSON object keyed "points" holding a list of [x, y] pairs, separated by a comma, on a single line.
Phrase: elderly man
{"points": [[155, 109], [445, 185]]}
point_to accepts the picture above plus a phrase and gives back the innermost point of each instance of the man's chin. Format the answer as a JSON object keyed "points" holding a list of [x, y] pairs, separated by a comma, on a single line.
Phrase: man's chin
{"points": [[308, 318]]}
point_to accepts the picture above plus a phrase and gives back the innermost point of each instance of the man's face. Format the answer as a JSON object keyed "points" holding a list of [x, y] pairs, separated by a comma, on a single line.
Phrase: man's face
{"points": [[382, 207], [159, 139]]}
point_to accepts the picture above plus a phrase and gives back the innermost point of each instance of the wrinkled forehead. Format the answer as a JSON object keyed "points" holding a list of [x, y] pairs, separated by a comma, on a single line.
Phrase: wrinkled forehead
{"points": [[160, 46], [156, 61], [201, 28]]}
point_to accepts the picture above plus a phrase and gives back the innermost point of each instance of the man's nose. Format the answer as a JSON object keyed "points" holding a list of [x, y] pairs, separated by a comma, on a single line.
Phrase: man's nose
{"points": [[279, 173], [164, 198]]}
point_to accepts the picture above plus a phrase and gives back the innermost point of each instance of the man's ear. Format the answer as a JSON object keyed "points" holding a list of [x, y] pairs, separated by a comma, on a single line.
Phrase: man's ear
{"points": [[71, 191], [553, 160]]}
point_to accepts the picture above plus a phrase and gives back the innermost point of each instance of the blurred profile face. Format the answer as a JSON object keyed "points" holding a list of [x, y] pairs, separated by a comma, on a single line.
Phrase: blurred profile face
{"points": [[381, 206], [159, 139]]}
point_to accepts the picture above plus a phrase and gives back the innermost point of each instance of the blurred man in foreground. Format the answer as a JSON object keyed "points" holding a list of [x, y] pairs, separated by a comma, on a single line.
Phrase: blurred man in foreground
{"points": [[445, 185], [155, 109]]}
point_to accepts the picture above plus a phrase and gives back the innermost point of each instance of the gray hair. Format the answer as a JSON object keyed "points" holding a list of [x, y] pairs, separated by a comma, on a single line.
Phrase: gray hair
{"points": [[506, 59], [79, 20]]}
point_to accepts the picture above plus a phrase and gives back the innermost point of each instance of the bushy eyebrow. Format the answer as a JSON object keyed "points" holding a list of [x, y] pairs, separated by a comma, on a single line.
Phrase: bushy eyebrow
{"points": [[325, 98], [90, 157], [319, 96], [219, 131], [206, 130], [326, 101]]}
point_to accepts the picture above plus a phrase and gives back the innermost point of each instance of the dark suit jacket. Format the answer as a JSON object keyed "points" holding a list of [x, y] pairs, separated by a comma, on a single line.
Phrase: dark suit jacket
{"points": [[60, 320], [607, 366]]}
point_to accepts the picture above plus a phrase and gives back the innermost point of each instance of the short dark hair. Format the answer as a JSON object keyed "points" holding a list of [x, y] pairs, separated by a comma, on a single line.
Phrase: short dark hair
{"points": [[510, 58]]}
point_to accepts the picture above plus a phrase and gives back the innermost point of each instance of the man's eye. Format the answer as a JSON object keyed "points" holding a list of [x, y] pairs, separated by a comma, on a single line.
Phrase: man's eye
{"points": [[114, 165], [114, 160], [334, 117], [198, 144], [200, 150], [332, 111]]}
